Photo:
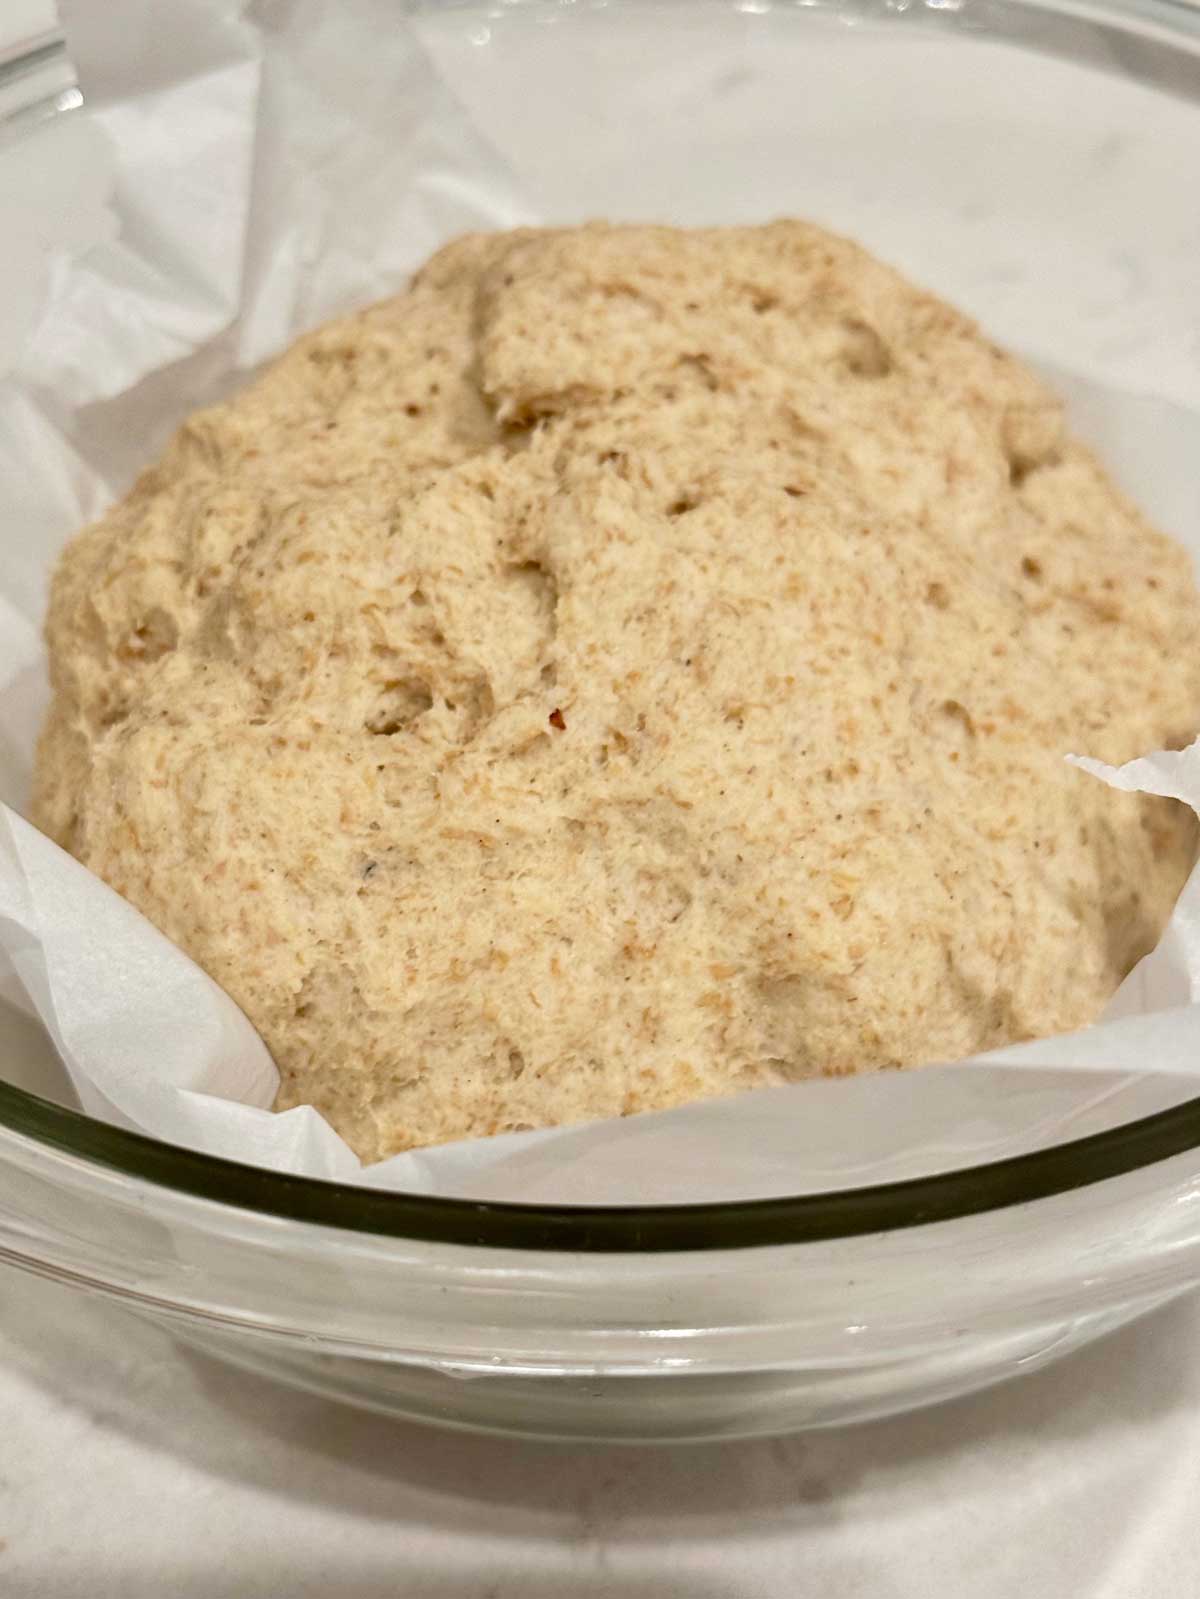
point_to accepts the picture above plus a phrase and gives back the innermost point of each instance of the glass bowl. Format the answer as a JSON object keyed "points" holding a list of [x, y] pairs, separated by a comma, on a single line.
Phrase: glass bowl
{"points": [[1035, 162]]}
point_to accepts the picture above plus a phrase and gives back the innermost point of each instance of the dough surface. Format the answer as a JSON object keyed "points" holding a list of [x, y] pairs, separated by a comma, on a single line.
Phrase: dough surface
{"points": [[631, 665]]}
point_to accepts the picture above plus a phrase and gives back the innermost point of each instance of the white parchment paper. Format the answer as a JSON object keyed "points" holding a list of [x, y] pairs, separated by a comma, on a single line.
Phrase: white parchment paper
{"points": [[255, 171]]}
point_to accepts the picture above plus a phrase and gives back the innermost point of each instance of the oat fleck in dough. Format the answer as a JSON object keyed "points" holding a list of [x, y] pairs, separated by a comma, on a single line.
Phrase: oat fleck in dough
{"points": [[632, 665]]}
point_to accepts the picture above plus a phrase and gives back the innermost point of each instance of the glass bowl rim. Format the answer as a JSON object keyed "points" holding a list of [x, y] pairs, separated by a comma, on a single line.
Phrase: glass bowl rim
{"points": [[741, 1224], [606, 1229]]}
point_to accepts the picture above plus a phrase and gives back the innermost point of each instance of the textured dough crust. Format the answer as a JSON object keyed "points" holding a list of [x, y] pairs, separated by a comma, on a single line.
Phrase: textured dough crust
{"points": [[630, 666]]}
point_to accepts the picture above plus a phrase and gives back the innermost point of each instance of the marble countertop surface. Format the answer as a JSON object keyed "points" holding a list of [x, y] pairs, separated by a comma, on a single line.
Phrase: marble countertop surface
{"points": [[132, 1470]]}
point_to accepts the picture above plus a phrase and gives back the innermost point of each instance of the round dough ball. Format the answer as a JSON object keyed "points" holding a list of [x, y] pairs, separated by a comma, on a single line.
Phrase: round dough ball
{"points": [[632, 665]]}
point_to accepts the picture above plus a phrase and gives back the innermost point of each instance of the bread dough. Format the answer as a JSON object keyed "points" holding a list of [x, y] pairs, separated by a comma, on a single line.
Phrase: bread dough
{"points": [[630, 666]]}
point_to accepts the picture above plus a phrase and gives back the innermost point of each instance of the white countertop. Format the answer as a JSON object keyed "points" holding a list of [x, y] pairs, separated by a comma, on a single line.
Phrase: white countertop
{"points": [[132, 1470]]}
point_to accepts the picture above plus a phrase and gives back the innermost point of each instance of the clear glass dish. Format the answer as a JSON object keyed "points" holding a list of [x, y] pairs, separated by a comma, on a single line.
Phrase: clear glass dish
{"points": [[1038, 164]]}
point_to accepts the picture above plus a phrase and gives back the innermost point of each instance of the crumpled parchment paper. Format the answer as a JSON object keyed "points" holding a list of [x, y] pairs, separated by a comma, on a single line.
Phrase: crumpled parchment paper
{"points": [[241, 175]]}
